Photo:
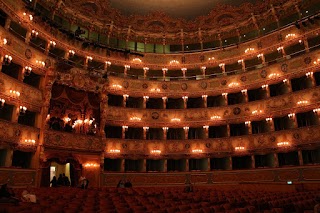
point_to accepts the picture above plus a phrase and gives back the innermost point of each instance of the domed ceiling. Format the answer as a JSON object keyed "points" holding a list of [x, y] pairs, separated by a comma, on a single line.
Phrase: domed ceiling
{"points": [[169, 15], [186, 9]]}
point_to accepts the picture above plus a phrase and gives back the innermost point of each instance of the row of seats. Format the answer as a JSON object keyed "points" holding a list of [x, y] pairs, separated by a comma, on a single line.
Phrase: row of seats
{"points": [[164, 200]]}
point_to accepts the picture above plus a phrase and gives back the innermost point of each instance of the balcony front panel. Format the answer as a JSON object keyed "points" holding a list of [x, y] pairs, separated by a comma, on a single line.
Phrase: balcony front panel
{"points": [[68, 141], [261, 176], [15, 135], [29, 96], [260, 143], [256, 110], [18, 177]]}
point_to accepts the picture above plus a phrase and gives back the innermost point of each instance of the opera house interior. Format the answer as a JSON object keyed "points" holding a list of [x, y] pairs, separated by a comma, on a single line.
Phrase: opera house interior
{"points": [[203, 106]]}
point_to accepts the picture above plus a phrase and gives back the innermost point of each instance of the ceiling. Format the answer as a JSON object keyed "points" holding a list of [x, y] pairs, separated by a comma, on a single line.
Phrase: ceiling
{"points": [[186, 9]]}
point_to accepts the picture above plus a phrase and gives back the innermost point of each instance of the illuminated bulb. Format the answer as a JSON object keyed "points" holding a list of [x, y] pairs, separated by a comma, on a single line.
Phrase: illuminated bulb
{"points": [[239, 148], [186, 128], [164, 69], [260, 55], [264, 86], [146, 68], [185, 98], [291, 115], [114, 151], [233, 84], [215, 117], [204, 96], [165, 128], [244, 91], [53, 43], [197, 150], [302, 102], [156, 151], [72, 52], [116, 86], [5, 41], [137, 60], [316, 110], [240, 61], [135, 118], [125, 96], [175, 120], [273, 75], [285, 80], [249, 50], [256, 111], [205, 127], [174, 62], [108, 63], [146, 97], [224, 94], [290, 36], [155, 90], [221, 65], [124, 127], [89, 58], [247, 122], [308, 74], [211, 58], [145, 128], [283, 144], [127, 67], [279, 49], [268, 119]]}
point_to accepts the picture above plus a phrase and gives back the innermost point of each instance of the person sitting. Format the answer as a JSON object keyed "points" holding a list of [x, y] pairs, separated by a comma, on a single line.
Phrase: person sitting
{"points": [[7, 195], [54, 182], [28, 196]]}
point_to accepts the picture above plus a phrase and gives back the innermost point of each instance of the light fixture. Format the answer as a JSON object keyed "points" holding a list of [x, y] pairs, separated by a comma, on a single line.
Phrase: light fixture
{"points": [[211, 58], [125, 127], [146, 97], [66, 119], [165, 128], [4, 41], [125, 96], [240, 61], [164, 70], [206, 127], [254, 112], [225, 94], [215, 117], [53, 43], [204, 96], [114, 151], [89, 58], [260, 55], [127, 67], [274, 75], [27, 70], [244, 91], [164, 98], [22, 110], [291, 115], [316, 110], [285, 80], [108, 63], [34, 33], [146, 69], [30, 141], [185, 98], [197, 151], [134, 118], [302, 102], [248, 50], [174, 62], [265, 86], [186, 128], [221, 65], [309, 74], [41, 63], [239, 148], [268, 119], [290, 35], [116, 86], [317, 61], [145, 128], [15, 93], [284, 143], [233, 84], [175, 119], [184, 69], [155, 90], [7, 59], [137, 60], [2, 101], [155, 152], [280, 49], [29, 16], [91, 165], [71, 53], [247, 122]]}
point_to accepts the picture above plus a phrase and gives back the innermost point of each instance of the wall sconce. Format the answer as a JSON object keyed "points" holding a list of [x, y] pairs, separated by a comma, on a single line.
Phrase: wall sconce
{"points": [[165, 128], [175, 120], [4, 41], [146, 69], [53, 43], [14, 93], [285, 80], [91, 165], [30, 17], [206, 127], [317, 61], [240, 61], [135, 118], [186, 128], [260, 55], [127, 67], [197, 151], [184, 69], [164, 98], [309, 74], [204, 96], [239, 148], [22, 110], [247, 123], [146, 97], [203, 68], [215, 117], [244, 91], [274, 75], [302, 102], [290, 36], [233, 84], [27, 70], [174, 62], [291, 115], [280, 49], [221, 65], [2, 101], [211, 58], [265, 86], [116, 86], [164, 70], [89, 58], [66, 119], [316, 110], [248, 50], [185, 98], [114, 151], [29, 141], [7, 59], [256, 112], [282, 144], [125, 128], [41, 63], [108, 63], [156, 152], [268, 119], [71, 53], [125, 96], [34, 33], [145, 128], [225, 94], [155, 90], [137, 60]]}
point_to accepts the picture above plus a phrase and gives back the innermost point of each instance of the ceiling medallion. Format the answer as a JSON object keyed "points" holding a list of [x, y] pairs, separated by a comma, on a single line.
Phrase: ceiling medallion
{"points": [[184, 86]]}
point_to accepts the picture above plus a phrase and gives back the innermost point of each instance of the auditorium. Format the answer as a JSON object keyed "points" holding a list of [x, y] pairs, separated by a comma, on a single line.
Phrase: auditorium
{"points": [[159, 106]]}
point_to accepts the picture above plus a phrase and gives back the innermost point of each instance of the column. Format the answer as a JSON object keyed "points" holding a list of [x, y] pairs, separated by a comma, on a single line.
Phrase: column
{"points": [[185, 102], [225, 98], [288, 85], [15, 114], [205, 102], [144, 166], [123, 165], [275, 160], [206, 132], [145, 99], [125, 98], [126, 68], [103, 112], [203, 70], [266, 88], [253, 162], [223, 68], [187, 165], [164, 102], [86, 62], [306, 44], [313, 80], [186, 132], [270, 123], [293, 119], [47, 48], [28, 37], [145, 130], [184, 70], [7, 23], [124, 129], [165, 131], [228, 130], [245, 95], [274, 13], [165, 165], [243, 65], [209, 165], [300, 157], [249, 127], [230, 163], [164, 71], [9, 156], [145, 71], [262, 58], [102, 162]]}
